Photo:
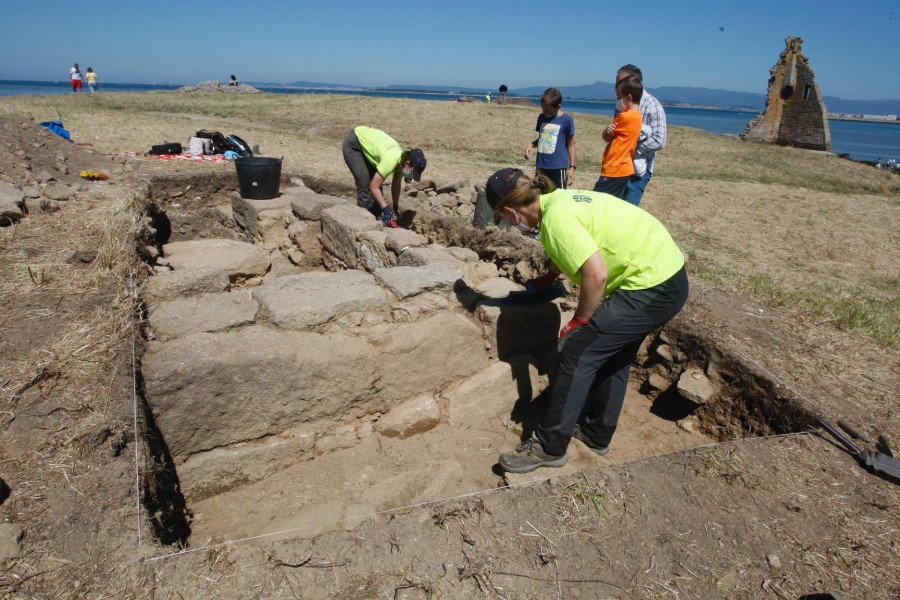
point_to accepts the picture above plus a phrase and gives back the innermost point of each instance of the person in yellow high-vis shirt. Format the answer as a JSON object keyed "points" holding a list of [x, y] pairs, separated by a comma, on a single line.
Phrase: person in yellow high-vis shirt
{"points": [[631, 280], [372, 155]]}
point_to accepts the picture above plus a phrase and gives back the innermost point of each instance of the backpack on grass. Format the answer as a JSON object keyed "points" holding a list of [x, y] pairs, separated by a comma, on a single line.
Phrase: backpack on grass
{"points": [[238, 145], [219, 144]]}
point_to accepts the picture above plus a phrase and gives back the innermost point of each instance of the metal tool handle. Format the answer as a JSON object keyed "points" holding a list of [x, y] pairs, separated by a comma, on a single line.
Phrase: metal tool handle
{"points": [[852, 431], [850, 445]]}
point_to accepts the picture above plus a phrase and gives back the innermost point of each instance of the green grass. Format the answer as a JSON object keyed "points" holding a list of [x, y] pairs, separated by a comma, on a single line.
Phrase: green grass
{"points": [[856, 309], [589, 493]]}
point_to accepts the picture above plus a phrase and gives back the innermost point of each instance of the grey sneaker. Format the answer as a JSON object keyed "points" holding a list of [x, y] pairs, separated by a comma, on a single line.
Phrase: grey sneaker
{"points": [[528, 457], [595, 448]]}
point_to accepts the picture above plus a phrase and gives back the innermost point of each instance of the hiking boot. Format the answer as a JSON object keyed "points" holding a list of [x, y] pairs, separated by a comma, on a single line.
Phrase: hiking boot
{"points": [[529, 456], [584, 439]]}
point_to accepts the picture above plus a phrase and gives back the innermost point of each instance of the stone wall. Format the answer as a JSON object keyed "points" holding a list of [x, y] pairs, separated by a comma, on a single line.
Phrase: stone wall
{"points": [[258, 357], [795, 112]]}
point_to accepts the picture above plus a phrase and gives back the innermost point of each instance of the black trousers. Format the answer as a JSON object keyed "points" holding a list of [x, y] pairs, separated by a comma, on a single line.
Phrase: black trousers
{"points": [[595, 361], [362, 171]]}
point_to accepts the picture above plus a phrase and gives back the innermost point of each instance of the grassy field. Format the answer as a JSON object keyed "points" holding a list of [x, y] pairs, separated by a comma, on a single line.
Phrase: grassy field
{"points": [[814, 233]]}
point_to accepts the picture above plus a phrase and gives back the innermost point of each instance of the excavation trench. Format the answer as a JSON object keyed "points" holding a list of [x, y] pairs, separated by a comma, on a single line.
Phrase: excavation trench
{"points": [[304, 368]]}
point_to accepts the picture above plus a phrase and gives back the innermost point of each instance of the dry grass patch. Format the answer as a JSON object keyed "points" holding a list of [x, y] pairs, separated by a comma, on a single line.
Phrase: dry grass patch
{"points": [[787, 225]]}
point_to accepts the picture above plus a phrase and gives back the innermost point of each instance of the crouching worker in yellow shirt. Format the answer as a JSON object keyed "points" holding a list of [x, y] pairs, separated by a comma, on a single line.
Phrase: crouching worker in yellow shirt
{"points": [[632, 280], [372, 155]]}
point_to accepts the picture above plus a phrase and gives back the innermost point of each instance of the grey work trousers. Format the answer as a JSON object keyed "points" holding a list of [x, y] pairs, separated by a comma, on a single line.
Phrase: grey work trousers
{"points": [[595, 360], [363, 172]]}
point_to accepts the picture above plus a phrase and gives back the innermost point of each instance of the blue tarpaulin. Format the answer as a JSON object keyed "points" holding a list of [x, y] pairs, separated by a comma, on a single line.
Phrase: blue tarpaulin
{"points": [[57, 128]]}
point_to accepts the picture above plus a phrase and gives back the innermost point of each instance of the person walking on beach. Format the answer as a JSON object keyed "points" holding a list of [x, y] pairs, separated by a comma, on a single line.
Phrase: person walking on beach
{"points": [[622, 138], [372, 155], [654, 117], [76, 78], [631, 280], [555, 142], [91, 79]]}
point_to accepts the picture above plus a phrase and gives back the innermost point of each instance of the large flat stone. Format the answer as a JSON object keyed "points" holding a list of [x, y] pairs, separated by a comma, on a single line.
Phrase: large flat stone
{"points": [[189, 281], [209, 390], [307, 204], [208, 312], [308, 300], [398, 240], [244, 263], [427, 355], [411, 281], [494, 391], [341, 226], [222, 469], [472, 272]]}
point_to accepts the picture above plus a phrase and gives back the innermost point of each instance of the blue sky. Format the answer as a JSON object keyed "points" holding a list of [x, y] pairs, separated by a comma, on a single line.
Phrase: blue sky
{"points": [[854, 47]]}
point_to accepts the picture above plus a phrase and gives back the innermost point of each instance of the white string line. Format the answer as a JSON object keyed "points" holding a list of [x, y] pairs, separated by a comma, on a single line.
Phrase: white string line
{"points": [[460, 497], [137, 467]]}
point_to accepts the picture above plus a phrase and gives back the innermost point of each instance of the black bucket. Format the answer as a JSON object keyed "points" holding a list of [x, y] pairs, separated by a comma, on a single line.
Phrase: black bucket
{"points": [[259, 177]]}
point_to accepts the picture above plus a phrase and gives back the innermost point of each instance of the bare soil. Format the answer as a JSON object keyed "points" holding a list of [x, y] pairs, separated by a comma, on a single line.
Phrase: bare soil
{"points": [[668, 513]]}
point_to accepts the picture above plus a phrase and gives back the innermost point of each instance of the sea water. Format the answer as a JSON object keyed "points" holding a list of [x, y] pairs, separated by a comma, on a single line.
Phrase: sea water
{"points": [[860, 140]]}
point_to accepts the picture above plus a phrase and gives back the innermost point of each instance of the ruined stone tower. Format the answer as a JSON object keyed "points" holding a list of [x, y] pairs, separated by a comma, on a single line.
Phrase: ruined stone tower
{"points": [[795, 112]]}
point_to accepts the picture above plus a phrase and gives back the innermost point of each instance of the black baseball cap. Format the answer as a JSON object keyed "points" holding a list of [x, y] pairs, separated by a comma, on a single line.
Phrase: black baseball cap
{"points": [[499, 184], [417, 162]]}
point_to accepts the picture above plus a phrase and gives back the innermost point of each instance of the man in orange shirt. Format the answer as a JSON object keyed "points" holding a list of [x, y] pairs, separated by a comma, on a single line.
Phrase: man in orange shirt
{"points": [[622, 138]]}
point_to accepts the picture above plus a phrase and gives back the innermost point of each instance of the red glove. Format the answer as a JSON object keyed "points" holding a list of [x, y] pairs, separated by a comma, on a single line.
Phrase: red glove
{"points": [[573, 324], [532, 285]]}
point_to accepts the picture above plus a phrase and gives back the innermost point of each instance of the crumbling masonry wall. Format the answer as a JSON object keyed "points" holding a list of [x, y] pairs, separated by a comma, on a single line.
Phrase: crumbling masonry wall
{"points": [[795, 112]]}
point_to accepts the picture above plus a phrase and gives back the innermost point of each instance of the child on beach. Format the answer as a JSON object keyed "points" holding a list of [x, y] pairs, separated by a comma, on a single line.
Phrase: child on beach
{"points": [[555, 143], [75, 78], [622, 138], [91, 79]]}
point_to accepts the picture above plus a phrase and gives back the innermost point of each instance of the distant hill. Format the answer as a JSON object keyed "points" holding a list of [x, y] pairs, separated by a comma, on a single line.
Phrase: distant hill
{"points": [[862, 107], [700, 96], [319, 86], [601, 90]]}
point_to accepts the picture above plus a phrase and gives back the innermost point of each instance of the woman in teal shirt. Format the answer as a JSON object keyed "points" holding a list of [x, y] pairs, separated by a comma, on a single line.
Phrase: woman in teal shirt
{"points": [[631, 279]]}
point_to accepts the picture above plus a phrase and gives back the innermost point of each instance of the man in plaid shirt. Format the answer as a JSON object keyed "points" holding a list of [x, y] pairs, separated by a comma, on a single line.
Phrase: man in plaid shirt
{"points": [[654, 117]]}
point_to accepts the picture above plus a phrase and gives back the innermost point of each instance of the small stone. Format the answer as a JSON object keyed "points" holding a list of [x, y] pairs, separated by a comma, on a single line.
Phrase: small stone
{"points": [[10, 541], [665, 352], [688, 424], [657, 381], [774, 560], [695, 386], [58, 191]]}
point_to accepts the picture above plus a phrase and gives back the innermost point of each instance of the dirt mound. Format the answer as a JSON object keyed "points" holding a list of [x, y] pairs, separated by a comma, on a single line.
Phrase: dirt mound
{"points": [[30, 153], [515, 101]]}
